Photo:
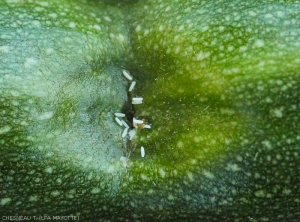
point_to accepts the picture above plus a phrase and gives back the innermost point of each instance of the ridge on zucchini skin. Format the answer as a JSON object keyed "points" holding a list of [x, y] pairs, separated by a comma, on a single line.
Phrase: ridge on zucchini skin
{"points": [[220, 82], [60, 84]]}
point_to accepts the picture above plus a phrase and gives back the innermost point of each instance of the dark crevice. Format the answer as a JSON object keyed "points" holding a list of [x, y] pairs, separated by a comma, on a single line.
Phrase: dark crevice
{"points": [[129, 110]]}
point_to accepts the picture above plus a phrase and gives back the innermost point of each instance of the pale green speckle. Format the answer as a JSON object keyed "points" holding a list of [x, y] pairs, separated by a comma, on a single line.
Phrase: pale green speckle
{"points": [[55, 193], [278, 112], [233, 167], [5, 201], [180, 144], [4, 49], [170, 197], [49, 170], [29, 62], [286, 191], [260, 193], [5, 129], [72, 25], [95, 190], [144, 177], [209, 175], [162, 173], [33, 198], [190, 176], [107, 18]]}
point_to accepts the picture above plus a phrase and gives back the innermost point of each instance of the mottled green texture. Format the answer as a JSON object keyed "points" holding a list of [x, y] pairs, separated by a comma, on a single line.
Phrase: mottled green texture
{"points": [[220, 80], [60, 85], [210, 73], [222, 91]]}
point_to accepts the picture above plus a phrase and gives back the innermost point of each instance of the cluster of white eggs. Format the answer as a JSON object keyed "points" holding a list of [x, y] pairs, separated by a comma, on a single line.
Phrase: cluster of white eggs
{"points": [[136, 123]]}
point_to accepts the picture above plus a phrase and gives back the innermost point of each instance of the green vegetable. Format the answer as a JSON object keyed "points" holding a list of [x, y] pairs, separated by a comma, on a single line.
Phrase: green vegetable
{"points": [[220, 82]]}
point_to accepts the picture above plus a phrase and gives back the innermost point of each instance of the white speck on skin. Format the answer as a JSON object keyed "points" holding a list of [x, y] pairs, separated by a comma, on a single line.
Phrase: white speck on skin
{"points": [[180, 144], [138, 28], [5, 129], [202, 55], [45, 115], [262, 63], [49, 51], [97, 27], [33, 198], [49, 170], [12, 1], [38, 9], [177, 49], [252, 13], [188, 9], [233, 167], [95, 190], [36, 23], [4, 49], [286, 191], [55, 193], [278, 157], [111, 169], [106, 18], [267, 144], [259, 193], [144, 177], [230, 48], [181, 28], [278, 112], [5, 201], [259, 43], [171, 197], [151, 191], [121, 38], [29, 62], [43, 3], [161, 28], [243, 48], [15, 103], [209, 175], [53, 15], [190, 176], [193, 161], [124, 160], [72, 25], [197, 139], [176, 37], [269, 16], [221, 28], [280, 13], [162, 173]]}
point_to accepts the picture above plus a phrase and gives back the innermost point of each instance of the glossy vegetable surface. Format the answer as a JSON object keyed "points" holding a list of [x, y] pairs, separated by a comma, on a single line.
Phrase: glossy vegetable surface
{"points": [[220, 88]]}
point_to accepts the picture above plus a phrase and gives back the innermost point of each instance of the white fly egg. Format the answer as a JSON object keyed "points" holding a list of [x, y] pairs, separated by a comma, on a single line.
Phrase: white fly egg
{"points": [[142, 152]]}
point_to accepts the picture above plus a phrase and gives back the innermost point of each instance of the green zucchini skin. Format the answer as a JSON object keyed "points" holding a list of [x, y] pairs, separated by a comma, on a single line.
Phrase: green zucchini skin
{"points": [[220, 82]]}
